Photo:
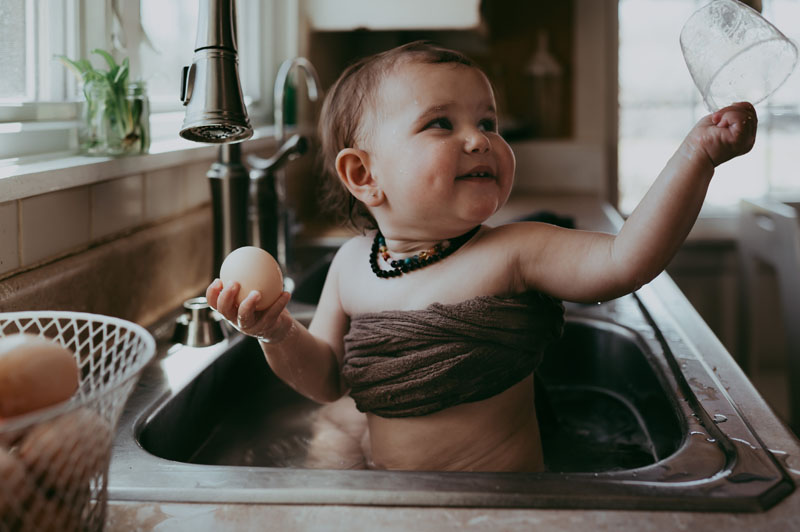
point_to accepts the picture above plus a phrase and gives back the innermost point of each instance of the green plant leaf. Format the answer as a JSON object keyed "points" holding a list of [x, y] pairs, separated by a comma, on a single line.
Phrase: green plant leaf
{"points": [[79, 68], [107, 56], [121, 75]]}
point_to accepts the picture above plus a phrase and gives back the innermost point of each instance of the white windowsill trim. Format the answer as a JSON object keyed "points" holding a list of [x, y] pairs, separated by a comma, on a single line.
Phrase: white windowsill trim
{"points": [[55, 172]]}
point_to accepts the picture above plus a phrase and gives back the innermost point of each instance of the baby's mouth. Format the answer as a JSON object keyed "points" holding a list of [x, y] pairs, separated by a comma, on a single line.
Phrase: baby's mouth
{"points": [[479, 173]]}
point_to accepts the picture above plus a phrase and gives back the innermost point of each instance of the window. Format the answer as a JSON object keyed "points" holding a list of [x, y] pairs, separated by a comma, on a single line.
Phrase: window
{"points": [[32, 32], [40, 98], [659, 104], [14, 50]]}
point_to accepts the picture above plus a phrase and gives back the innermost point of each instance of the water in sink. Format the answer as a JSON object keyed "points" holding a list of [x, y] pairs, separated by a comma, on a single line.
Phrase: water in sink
{"points": [[594, 431]]}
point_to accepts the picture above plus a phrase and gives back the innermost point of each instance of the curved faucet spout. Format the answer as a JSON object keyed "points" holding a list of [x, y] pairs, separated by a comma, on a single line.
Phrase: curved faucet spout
{"points": [[312, 83]]}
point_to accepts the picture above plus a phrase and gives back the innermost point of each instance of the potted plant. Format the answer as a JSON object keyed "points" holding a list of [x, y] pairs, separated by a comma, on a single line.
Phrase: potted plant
{"points": [[116, 112]]}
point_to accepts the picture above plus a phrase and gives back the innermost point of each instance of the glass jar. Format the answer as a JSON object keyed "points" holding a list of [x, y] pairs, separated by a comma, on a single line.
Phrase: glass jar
{"points": [[137, 139], [115, 122]]}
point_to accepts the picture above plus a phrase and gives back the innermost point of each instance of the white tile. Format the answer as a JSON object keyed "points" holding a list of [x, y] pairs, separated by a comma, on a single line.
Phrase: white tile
{"points": [[196, 184], [164, 193], [9, 237], [54, 223], [117, 205]]}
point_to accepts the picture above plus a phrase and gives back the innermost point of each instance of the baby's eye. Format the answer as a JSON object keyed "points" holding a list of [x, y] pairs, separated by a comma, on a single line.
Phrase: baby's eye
{"points": [[439, 123], [488, 124]]}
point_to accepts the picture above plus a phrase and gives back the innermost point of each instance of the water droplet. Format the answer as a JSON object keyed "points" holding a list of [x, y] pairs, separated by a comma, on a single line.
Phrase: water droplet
{"points": [[787, 460], [744, 442], [720, 418]]}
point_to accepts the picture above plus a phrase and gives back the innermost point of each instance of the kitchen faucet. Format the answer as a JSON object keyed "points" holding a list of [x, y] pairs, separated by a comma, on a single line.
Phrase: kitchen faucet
{"points": [[246, 209], [271, 220], [281, 82]]}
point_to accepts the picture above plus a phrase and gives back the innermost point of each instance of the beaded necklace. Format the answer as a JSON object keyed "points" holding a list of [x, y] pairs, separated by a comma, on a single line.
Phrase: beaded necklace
{"points": [[420, 260]]}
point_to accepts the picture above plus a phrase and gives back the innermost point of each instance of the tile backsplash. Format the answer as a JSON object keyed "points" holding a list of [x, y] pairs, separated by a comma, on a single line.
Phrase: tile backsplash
{"points": [[138, 276], [40, 228], [129, 237], [9, 237], [52, 224], [117, 205]]}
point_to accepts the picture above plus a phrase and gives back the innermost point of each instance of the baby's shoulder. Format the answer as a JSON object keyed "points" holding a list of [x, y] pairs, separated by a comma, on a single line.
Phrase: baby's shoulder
{"points": [[516, 233], [356, 245], [351, 251]]}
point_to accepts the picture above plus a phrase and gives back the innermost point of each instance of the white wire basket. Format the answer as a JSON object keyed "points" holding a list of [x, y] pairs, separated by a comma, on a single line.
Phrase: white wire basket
{"points": [[54, 461]]}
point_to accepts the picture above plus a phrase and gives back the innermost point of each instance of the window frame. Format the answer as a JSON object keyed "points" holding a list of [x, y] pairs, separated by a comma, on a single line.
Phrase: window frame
{"points": [[75, 27]]}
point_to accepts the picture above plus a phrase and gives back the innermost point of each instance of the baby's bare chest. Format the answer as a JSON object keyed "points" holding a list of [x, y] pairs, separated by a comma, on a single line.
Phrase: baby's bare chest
{"points": [[475, 272]]}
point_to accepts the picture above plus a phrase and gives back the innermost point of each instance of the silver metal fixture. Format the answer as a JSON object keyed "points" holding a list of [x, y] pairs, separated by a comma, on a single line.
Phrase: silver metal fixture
{"points": [[267, 206], [197, 327], [274, 232], [229, 202], [215, 113], [210, 88], [279, 91]]}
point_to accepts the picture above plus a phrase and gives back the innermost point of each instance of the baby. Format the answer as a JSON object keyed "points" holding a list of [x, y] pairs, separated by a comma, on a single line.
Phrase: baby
{"points": [[432, 322]]}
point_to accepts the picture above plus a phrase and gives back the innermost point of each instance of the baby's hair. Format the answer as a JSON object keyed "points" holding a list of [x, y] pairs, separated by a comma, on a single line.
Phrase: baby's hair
{"points": [[343, 111]]}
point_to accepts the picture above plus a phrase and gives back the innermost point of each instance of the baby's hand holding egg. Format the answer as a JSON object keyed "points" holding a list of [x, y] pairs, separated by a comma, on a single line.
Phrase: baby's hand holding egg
{"points": [[262, 315], [254, 269]]}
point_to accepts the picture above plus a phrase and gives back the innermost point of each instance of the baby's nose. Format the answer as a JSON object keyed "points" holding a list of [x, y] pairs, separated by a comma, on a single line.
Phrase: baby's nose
{"points": [[477, 142]]}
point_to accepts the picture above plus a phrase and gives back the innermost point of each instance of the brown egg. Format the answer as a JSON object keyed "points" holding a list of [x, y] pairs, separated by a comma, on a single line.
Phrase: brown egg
{"points": [[52, 513], [15, 489], [63, 454], [254, 269], [35, 372]]}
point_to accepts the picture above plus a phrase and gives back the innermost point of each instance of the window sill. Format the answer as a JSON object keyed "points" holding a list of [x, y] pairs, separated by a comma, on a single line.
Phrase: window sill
{"points": [[53, 172]]}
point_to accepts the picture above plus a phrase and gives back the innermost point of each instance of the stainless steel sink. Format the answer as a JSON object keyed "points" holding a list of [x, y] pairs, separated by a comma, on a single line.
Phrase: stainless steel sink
{"points": [[631, 418], [611, 414]]}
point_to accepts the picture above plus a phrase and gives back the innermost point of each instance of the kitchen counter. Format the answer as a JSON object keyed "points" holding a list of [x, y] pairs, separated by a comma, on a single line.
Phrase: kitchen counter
{"points": [[588, 213]]}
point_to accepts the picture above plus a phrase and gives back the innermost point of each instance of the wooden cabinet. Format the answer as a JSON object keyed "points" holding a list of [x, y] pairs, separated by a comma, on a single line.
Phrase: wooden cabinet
{"points": [[503, 39]]}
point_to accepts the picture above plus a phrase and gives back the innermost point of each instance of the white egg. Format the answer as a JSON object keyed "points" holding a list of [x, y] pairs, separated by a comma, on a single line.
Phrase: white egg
{"points": [[254, 269]]}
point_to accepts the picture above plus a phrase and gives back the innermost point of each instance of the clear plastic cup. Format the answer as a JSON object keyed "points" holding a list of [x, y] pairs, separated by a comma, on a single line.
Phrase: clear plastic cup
{"points": [[734, 54]]}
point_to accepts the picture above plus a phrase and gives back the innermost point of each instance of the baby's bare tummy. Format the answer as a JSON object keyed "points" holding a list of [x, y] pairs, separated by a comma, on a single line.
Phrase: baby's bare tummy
{"points": [[497, 434]]}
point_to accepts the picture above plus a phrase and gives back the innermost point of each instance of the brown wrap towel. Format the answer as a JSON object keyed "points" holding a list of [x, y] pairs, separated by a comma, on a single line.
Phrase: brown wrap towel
{"points": [[413, 363]]}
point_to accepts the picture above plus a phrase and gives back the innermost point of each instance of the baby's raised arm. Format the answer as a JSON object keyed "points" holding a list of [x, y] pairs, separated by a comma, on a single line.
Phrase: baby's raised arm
{"points": [[586, 266], [307, 359]]}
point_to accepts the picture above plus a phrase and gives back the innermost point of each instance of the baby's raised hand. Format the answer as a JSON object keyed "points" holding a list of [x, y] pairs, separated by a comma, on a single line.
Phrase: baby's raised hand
{"points": [[725, 134], [270, 324]]}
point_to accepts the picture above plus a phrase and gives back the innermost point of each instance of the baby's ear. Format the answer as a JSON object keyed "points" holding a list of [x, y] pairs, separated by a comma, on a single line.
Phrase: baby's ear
{"points": [[353, 167]]}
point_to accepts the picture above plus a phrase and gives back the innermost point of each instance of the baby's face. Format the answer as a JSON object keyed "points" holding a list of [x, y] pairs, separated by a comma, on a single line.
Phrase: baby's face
{"points": [[435, 150]]}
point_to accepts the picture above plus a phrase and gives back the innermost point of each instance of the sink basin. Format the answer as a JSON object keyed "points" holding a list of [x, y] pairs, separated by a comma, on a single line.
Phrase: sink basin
{"points": [[631, 417], [613, 414]]}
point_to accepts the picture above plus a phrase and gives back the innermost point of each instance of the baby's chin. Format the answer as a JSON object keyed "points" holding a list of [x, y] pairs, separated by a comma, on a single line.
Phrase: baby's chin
{"points": [[479, 212]]}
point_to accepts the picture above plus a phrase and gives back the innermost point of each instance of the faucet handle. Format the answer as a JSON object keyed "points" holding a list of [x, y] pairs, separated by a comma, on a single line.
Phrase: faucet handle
{"points": [[198, 327], [294, 146]]}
